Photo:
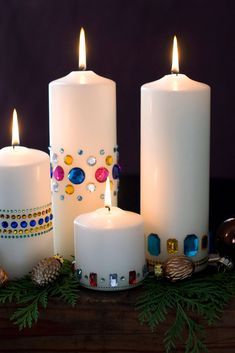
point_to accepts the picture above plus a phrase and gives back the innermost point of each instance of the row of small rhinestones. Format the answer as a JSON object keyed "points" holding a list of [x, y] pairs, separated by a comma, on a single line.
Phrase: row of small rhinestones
{"points": [[22, 236], [24, 216], [26, 210]]}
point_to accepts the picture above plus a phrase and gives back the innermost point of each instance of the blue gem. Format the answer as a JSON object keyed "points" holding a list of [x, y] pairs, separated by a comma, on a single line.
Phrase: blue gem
{"points": [[116, 171], [154, 244], [191, 245], [51, 170], [23, 224], [4, 224], [51, 217], [32, 223], [47, 218], [76, 175], [40, 221], [14, 224]]}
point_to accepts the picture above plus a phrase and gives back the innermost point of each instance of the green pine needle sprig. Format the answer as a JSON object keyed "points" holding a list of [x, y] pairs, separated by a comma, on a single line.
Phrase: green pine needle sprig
{"points": [[202, 296], [31, 298]]}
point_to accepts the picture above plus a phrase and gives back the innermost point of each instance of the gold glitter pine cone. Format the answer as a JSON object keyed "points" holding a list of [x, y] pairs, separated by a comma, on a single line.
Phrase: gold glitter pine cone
{"points": [[3, 276], [178, 267], [46, 271]]}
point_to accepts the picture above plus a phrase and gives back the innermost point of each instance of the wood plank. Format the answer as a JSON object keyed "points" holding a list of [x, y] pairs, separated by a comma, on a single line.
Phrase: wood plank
{"points": [[102, 322]]}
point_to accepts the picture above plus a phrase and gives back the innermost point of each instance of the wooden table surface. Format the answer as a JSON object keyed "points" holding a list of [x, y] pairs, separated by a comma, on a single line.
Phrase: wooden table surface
{"points": [[101, 322]]}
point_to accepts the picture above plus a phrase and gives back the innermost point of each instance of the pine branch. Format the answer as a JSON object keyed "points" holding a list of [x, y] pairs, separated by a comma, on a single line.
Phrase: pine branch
{"points": [[204, 296], [31, 298]]}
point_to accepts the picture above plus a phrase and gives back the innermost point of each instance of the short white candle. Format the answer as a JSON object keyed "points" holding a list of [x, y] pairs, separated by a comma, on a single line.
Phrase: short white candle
{"points": [[109, 249], [25, 208], [82, 107], [175, 148]]}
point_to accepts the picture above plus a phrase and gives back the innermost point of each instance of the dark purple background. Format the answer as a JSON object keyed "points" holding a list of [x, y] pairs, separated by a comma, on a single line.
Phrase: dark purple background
{"points": [[127, 41]]}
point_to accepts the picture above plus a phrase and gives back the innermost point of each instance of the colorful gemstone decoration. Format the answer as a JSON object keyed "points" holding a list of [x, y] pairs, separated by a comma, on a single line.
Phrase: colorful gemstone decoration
{"points": [[191, 245], [204, 242], [172, 246], [101, 174], [109, 160], [102, 152], [54, 158], [132, 277], [61, 150], [62, 197], [79, 198], [51, 170], [68, 159], [76, 175], [58, 173], [69, 189], [79, 273], [80, 152], [91, 187], [116, 171], [113, 280], [93, 279], [153, 241], [91, 161], [55, 186], [23, 223]]}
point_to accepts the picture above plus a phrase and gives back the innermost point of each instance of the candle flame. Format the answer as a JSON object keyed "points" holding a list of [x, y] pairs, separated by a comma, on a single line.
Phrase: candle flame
{"points": [[107, 195], [82, 50], [15, 130], [175, 58]]}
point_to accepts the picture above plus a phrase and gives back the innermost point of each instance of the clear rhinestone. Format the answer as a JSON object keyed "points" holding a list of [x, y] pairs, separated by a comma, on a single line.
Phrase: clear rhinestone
{"points": [[62, 197], [91, 187], [113, 280], [79, 198], [91, 161], [122, 278], [102, 279], [102, 152], [54, 158], [61, 150], [55, 187], [102, 196]]}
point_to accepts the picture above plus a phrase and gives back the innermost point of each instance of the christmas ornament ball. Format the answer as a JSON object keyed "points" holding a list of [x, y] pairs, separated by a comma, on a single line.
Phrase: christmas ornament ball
{"points": [[225, 238]]}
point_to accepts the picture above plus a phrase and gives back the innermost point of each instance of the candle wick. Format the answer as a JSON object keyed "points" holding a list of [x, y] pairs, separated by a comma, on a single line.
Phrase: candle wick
{"points": [[108, 207], [173, 72]]}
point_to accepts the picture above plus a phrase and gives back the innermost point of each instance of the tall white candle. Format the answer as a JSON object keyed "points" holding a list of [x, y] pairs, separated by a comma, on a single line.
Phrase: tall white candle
{"points": [[109, 248], [82, 108], [175, 140], [25, 209]]}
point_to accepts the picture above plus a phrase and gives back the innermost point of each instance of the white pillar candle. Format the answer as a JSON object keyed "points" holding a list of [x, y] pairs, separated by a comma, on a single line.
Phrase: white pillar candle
{"points": [[82, 108], [175, 140], [25, 209], [109, 249]]}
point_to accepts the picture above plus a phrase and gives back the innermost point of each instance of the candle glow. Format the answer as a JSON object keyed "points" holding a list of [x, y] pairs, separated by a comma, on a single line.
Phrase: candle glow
{"points": [[107, 195], [82, 50], [175, 58], [15, 130]]}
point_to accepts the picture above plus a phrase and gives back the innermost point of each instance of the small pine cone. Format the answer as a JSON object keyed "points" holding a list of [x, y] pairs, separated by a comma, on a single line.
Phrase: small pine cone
{"points": [[46, 271], [178, 267], [3, 276]]}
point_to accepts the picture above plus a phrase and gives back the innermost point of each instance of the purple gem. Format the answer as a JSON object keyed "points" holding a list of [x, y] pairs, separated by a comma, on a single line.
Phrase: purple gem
{"points": [[116, 171], [58, 173]]}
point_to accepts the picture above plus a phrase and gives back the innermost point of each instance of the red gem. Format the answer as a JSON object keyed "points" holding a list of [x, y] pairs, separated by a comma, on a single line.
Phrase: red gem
{"points": [[93, 279], [101, 174], [132, 277]]}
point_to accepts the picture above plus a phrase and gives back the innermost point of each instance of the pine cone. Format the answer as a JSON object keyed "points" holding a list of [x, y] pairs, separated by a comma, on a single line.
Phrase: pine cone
{"points": [[178, 267], [3, 276], [46, 271]]}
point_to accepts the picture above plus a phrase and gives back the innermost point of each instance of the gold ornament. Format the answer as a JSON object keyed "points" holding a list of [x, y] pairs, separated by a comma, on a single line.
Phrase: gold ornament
{"points": [[158, 270], [46, 271], [178, 267], [3, 276]]}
